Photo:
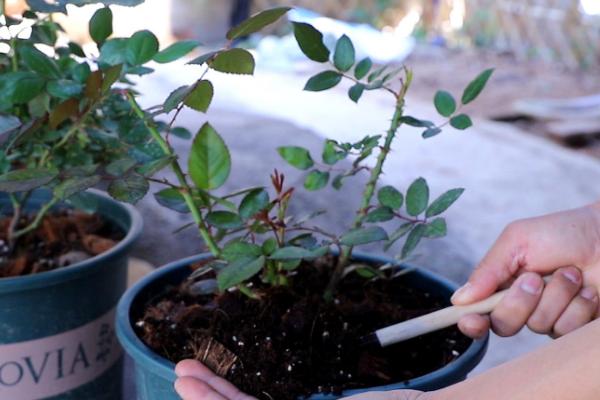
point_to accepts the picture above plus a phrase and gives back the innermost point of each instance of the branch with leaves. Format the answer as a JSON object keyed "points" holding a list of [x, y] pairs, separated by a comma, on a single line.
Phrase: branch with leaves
{"points": [[98, 132]]}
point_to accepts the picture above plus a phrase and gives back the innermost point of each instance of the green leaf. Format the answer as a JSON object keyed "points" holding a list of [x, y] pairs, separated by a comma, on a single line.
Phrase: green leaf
{"points": [[172, 199], [39, 106], [316, 180], [111, 75], [239, 271], [84, 201], [257, 22], [305, 240], [204, 58], [389, 196], [461, 121], [80, 171], [135, 133], [444, 103], [363, 68], [201, 96], [330, 154], [129, 189], [380, 214], [44, 32], [141, 47], [290, 265], [138, 70], [175, 51], [237, 249], [76, 49], [254, 202], [476, 86], [39, 62], [296, 156], [23, 180], [224, 220], [356, 92], [310, 41], [234, 61], [121, 166], [20, 87], [366, 235], [398, 233], [114, 51], [209, 163], [375, 85], [81, 72], [175, 98], [431, 132], [413, 239], [323, 81], [417, 197], [345, 55], [151, 168], [338, 181], [181, 133], [368, 272], [101, 25], [4, 163], [64, 88], [376, 74], [443, 202], [436, 228], [76, 185], [294, 253], [269, 246], [147, 152], [417, 123]]}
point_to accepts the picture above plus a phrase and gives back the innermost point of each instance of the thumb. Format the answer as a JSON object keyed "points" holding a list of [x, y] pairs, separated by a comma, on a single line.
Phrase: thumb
{"points": [[498, 267]]}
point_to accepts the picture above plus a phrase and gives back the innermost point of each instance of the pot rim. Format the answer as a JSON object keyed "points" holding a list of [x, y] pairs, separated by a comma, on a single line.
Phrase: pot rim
{"points": [[48, 278], [164, 368]]}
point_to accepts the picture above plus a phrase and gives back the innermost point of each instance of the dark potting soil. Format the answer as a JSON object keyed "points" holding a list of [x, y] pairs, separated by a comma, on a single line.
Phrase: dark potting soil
{"points": [[63, 238], [291, 343]]}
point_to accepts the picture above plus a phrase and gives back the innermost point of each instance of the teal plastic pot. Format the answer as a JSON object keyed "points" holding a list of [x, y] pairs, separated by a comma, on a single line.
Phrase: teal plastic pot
{"points": [[57, 336], [155, 375]]}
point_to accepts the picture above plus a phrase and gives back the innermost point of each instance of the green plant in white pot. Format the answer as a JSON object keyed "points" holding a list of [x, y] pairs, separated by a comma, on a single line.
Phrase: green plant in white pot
{"points": [[279, 304], [66, 126]]}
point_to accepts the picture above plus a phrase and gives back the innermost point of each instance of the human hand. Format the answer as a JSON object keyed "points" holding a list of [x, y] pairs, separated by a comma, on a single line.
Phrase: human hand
{"points": [[196, 382], [566, 244], [392, 395]]}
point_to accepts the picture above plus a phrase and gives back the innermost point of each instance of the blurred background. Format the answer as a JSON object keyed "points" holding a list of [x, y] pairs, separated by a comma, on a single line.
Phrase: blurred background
{"points": [[534, 147], [547, 49]]}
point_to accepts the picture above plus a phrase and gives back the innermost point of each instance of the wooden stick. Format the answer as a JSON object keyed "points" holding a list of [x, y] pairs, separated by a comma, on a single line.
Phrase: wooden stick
{"points": [[436, 320]]}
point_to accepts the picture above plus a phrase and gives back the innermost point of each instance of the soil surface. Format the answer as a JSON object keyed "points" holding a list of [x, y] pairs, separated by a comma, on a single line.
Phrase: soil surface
{"points": [[63, 238], [291, 343]]}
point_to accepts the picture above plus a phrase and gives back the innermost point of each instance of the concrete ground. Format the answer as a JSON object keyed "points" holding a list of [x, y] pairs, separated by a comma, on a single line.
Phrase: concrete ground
{"points": [[508, 175]]}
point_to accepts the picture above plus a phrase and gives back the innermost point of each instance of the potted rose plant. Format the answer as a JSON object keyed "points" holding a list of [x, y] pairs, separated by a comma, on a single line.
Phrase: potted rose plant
{"points": [[65, 127], [278, 305]]}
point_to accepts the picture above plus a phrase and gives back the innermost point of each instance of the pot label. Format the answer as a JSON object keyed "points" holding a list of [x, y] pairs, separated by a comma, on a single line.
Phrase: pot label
{"points": [[46, 367]]}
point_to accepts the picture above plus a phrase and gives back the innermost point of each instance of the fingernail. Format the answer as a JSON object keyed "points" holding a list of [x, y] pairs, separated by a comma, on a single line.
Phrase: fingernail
{"points": [[462, 293], [589, 294], [571, 275], [531, 284], [177, 385]]}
